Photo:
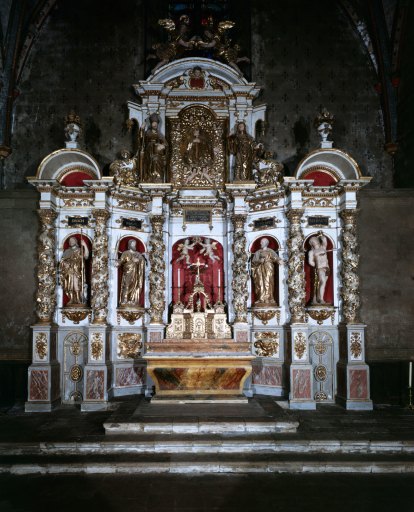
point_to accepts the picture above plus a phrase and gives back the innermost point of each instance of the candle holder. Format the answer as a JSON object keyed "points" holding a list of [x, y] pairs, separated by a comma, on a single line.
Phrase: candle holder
{"points": [[410, 405]]}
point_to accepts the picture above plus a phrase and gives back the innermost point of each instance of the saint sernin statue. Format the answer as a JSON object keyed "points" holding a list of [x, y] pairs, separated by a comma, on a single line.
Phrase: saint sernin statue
{"points": [[263, 273], [132, 263], [72, 272]]}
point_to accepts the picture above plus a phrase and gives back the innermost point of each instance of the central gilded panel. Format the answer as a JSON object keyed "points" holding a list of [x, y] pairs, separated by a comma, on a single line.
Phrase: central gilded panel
{"points": [[198, 157]]}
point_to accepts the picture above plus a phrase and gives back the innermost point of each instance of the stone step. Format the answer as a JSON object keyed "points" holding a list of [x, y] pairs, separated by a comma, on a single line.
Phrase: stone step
{"points": [[187, 445], [196, 464]]}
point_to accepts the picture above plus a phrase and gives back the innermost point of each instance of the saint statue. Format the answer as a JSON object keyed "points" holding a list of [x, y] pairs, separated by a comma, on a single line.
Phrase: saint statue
{"points": [[132, 263], [124, 170], [318, 259], [263, 273], [197, 148], [154, 152], [244, 148], [72, 272]]}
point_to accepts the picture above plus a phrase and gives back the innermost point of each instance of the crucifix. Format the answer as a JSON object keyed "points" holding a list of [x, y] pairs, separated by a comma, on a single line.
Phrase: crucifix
{"points": [[198, 265]]}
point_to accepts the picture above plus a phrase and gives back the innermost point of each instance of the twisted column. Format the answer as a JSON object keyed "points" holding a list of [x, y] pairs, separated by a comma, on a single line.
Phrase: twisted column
{"points": [[349, 270], [157, 272], [296, 271], [239, 268], [100, 274], [46, 270]]}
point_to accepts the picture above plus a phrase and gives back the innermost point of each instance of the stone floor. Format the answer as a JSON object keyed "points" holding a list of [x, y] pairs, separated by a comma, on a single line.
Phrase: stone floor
{"points": [[224, 493]]}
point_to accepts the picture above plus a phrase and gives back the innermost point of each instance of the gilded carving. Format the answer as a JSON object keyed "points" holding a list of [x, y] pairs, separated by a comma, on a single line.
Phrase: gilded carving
{"points": [[134, 205], [349, 270], [356, 345], [100, 275], [267, 344], [96, 346], [296, 272], [265, 315], [300, 344], [75, 315], [46, 271], [197, 149], [130, 315], [76, 373], [320, 373], [320, 314], [82, 202], [129, 345], [41, 345], [259, 205], [124, 170], [157, 272], [239, 268], [318, 202]]}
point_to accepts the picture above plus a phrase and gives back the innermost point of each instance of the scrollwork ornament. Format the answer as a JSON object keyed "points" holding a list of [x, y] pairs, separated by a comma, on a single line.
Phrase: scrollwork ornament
{"points": [[239, 268], [349, 270], [267, 344], [100, 274], [129, 345], [46, 271], [157, 272], [296, 272]]}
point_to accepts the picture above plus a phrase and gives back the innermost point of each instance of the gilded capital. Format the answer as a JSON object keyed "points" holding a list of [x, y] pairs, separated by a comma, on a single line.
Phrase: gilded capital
{"points": [[295, 215]]}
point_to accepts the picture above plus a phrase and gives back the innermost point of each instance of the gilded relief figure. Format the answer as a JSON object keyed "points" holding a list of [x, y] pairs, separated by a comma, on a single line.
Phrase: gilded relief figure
{"points": [[154, 152], [72, 272], [197, 149], [124, 170], [263, 273], [244, 148], [318, 259], [132, 263]]}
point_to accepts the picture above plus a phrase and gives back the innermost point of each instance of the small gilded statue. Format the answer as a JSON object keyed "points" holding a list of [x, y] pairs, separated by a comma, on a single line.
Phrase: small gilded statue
{"points": [[124, 170], [318, 259], [132, 263], [244, 148], [72, 272], [263, 274], [154, 152]]}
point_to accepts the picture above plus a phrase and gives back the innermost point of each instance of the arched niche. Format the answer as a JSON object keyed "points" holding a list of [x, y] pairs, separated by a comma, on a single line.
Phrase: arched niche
{"points": [[183, 276], [274, 245], [310, 272], [122, 246], [69, 166], [86, 262], [327, 167]]}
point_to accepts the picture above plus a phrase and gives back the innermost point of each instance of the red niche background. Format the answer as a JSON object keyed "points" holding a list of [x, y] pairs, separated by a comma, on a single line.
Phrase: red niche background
{"points": [[75, 179], [209, 276], [321, 178], [88, 262], [309, 272], [272, 245], [123, 246]]}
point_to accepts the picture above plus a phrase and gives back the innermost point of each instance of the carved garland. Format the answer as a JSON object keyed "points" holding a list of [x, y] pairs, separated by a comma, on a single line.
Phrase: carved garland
{"points": [[157, 272], [296, 272], [100, 275], [349, 271], [239, 268], [46, 272]]}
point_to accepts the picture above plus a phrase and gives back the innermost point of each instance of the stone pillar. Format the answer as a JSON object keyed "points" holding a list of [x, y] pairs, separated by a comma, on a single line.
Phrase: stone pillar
{"points": [[353, 373], [240, 277], [44, 375], [95, 396], [301, 381]]}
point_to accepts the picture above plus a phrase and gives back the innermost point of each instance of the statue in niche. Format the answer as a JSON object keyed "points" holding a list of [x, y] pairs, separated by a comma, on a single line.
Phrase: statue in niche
{"points": [[72, 272], [196, 147], [178, 41], [124, 170], [245, 149], [318, 259], [132, 263], [263, 273], [154, 152]]}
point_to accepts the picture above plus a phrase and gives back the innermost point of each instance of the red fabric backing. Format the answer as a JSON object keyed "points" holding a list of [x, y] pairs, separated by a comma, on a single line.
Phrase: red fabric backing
{"points": [[208, 276], [320, 178], [88, 263], [310, 270], [75, 179], [123, 246], [272, 245]]}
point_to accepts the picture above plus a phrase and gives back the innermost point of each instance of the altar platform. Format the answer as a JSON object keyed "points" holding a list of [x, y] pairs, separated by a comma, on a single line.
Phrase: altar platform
{"points": [[200, 439]]}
